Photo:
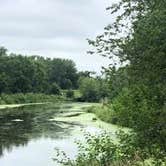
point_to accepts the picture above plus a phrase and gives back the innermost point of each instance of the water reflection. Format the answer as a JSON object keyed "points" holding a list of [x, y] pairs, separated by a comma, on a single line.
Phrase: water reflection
{"points": [[20, 125]]}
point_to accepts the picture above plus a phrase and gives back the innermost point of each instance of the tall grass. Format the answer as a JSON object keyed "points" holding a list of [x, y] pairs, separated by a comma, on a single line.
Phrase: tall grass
{"points": [[21, 98], [104, 113]]}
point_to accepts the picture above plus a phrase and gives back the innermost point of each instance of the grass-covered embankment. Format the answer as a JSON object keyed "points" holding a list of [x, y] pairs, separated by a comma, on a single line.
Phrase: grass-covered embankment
{"points": [[21, 98], [4, 106]]}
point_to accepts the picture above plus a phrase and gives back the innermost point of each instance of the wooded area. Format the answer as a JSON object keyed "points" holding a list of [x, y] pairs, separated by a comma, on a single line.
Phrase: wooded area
{"points": [[132, 90], [23, 74]]}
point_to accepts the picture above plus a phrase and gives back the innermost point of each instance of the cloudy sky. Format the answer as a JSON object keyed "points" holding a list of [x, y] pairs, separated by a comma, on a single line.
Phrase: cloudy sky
{"points": [[54, 28]]}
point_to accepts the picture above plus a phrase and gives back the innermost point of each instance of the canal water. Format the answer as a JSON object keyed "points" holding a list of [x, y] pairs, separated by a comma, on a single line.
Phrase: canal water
{"points": [[30, 134]]}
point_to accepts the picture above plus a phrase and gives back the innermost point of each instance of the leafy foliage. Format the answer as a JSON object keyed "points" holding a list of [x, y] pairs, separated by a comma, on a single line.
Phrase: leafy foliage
{"points": [[55, 89], [100, 150], [93, 89], [133, 108], [70, 94], [136, 39], [23, 74]]}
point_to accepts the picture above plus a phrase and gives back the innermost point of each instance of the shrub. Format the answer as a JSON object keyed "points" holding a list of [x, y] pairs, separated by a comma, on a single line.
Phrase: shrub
{"points": [[54, 89], [70, 94], [137, 109], [8, 99], [92, 89], [101, 150]]}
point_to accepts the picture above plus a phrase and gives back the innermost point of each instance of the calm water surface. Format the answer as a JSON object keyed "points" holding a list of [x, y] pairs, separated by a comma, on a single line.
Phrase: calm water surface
{"points": [[28, 136]]}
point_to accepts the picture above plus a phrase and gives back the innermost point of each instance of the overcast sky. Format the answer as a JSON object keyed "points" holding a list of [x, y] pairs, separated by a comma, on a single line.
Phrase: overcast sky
{"points": [[54, 28]]}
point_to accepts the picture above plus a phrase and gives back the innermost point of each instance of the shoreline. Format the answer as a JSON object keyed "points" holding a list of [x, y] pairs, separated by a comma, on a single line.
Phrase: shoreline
{"points": [[4, 106]]}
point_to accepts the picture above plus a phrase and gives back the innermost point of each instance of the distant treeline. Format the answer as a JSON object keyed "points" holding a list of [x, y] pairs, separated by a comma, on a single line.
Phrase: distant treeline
{"points": [[24, 74]]}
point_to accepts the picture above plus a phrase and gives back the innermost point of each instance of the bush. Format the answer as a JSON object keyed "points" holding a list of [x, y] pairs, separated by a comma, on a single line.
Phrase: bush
{"points": [[89, 89], [8, 99], [101, 150], [54, 89], [137, 109], [92, 90], [70, 94]]}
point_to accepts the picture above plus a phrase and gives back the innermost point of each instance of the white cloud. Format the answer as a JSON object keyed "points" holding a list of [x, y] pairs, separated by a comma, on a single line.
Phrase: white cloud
{"points": [[54, 28]]}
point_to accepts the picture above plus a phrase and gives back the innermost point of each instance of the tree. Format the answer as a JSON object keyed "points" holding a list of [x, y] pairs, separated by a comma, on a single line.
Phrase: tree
{"points": [[86, 74], [89, 89], [4, 81], [3, 51], [23, 74], [93, 89], [137, 38], [54, 89], [117, 80], [63, 72]]}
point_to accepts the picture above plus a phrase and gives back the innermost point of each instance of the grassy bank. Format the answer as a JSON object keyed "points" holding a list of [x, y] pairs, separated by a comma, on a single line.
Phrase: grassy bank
{"points": [[4, 106], [21, 98], [104, 113]]}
